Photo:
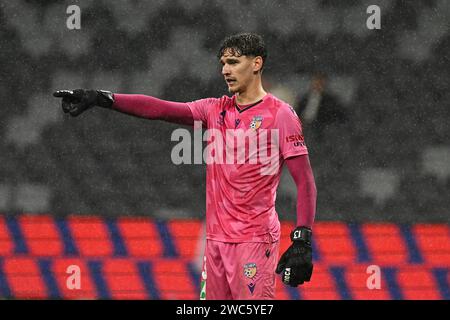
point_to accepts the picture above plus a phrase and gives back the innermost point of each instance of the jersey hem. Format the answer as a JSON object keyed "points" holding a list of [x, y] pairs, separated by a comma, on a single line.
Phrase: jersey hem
{"points": [[229, 240]]}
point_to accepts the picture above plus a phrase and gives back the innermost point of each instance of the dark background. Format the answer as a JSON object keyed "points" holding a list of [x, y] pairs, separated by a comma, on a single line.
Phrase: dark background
{"points": [[389, 161]]}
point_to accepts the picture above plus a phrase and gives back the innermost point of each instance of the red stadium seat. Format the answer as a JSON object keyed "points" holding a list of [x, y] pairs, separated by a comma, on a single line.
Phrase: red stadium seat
{"points": [[356, 277], [141, 237], [41, 235], [91, 236], [87, 289], [385, 243], [321, 286], [123, 279], [434, 243], [6, 243], [186, 235], [281, 292], [334, 242], [24, 278], [417, 283], [173, 280]]}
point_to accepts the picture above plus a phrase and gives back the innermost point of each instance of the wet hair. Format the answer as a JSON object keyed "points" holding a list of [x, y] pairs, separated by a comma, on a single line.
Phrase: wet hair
{"points": [[244, 44]]}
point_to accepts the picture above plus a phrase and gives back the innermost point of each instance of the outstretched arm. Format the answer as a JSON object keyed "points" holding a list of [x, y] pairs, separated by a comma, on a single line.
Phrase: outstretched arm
{"points": [[77, 101], [153, 108], [300, 169]]}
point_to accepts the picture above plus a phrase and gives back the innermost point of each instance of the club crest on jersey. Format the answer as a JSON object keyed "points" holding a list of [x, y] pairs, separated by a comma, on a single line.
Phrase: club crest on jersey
{"points": [[256, 122], [250, 270]]}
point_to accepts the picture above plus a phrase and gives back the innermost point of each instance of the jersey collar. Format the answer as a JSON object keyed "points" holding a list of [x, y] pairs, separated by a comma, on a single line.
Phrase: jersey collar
{"points": [[243, 108]]}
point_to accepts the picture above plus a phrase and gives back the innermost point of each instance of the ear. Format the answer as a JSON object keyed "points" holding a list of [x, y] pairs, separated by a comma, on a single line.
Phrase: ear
{"points": [[257, 63]]}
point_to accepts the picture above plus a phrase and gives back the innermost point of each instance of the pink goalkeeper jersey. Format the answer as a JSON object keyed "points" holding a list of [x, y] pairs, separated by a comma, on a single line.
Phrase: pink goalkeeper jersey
{"points": [[242, 177]]}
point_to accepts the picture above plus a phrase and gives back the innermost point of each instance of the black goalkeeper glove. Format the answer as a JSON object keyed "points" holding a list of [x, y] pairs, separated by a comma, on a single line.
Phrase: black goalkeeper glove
{"points": [[77, 101], [295, 264]]}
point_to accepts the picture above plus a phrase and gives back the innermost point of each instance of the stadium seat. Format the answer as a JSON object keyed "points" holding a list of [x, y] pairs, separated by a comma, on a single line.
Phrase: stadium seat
{"points": [[344, 88], [6, 242], [173, 280], [321, 287], [385, 243], [33, 198], [24, 278], [417, 283], [186, 235], [357, 277], [434, 243], [131, 23], [141, 237], [87, 287], [435, 161], [337, 275], [414, 46], [41, 235], [379, 184], [91, 236], [5, 193], [280, 291], [334, 242], [123, 279]]}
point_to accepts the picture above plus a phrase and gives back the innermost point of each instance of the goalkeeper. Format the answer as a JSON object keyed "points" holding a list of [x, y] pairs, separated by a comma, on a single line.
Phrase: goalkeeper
{"points": [[243, 230]]}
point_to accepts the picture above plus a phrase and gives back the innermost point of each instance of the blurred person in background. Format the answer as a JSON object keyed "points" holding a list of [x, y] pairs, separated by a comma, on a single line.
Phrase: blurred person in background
{"points": [[319, 108], [242, 226]]}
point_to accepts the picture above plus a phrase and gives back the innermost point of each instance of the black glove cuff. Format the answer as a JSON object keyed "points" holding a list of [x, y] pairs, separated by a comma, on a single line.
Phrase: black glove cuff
{"points": [[105, 99], [301, 234]]}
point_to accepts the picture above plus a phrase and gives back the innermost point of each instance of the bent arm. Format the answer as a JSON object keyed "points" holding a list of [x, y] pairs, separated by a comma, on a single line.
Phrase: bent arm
{"points": [[148, 107], [300, 169]]}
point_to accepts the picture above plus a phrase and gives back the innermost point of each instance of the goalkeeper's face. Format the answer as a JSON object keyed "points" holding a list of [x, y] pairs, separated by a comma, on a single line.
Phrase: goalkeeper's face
{"points": [[240, 71]]}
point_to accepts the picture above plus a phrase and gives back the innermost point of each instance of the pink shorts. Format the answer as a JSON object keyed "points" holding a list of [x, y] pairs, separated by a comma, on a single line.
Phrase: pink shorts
{"points": [[239, 271]]}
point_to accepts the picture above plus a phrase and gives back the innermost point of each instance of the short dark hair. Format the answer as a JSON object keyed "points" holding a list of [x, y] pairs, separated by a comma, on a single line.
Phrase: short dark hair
{"points": [[244, 44]]}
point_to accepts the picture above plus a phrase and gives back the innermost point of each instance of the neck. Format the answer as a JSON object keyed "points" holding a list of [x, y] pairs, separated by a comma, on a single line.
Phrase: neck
{"points": [[251, 95]]}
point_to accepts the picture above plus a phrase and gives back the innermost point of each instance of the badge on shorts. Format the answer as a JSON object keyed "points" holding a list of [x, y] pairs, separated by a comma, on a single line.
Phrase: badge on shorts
{"points": [[250, 270], [256, 122]]}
